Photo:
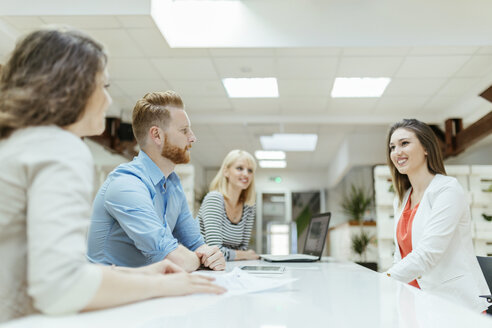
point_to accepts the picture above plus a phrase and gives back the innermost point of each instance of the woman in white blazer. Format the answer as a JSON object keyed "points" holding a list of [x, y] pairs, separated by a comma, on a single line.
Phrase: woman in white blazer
{"points": [[432, 220]]}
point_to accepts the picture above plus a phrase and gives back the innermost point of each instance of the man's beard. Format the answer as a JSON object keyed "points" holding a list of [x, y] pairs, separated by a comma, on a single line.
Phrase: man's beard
{"points": [[174, 153]]}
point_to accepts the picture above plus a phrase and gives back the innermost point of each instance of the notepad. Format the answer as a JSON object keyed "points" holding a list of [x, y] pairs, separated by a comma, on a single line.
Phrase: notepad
{"points": [[239, 282]]}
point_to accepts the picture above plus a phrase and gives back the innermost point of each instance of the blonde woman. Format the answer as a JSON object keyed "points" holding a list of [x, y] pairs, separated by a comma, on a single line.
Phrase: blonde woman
{"points": [[434, 249], [53, 91], [228, 211]]}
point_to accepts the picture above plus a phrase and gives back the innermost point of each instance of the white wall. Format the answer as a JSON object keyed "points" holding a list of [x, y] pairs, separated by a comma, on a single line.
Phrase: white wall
{"points": [[293, 180], [481, 155], [354, 151]]}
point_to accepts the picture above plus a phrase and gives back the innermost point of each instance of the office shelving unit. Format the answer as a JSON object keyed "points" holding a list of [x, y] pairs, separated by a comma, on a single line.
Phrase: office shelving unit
{"points": [[481, 191]]}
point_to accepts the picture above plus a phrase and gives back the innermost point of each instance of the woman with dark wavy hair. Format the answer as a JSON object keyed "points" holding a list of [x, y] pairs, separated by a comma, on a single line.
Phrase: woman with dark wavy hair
{"points": [[434, 249], [53, 90]]}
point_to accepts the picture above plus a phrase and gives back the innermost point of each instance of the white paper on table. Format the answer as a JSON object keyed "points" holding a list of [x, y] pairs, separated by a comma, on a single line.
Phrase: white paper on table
{"points": [[239, 282]]}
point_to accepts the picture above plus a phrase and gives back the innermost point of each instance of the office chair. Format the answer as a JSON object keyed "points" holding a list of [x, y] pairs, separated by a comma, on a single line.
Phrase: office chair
{"points": [[486, 266]]}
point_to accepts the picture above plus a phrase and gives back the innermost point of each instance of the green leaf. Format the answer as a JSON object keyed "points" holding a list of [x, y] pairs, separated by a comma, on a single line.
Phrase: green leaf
{"points": [[356, 203]]}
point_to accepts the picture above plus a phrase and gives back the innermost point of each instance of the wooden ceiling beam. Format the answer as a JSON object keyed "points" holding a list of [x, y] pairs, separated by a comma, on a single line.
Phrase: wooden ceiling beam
{"points": [[478, 130], [455, 140]]}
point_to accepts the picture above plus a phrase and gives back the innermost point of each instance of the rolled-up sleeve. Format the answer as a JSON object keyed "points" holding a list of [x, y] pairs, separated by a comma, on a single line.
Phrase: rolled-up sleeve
{"points": [[129, 202], [60, 280]]}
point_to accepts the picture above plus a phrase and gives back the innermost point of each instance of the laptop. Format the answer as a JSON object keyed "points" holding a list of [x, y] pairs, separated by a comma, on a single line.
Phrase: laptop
{"points": [[314, 244]]}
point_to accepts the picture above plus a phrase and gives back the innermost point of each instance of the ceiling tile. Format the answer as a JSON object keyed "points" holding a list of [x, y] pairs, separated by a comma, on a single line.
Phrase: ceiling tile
{"points": [[476, 66], [303, 104], [209, 104], [126, 68], [306, 68], [7, 44], [262, 105], [258, 129], [443, 50], [205, 88], [376, 51], [84, 22], [438, 66], [288, 88], [117, 42], [439, 104], [310, 52], [300, 128], [347, 106], [417, 87], [150, 41], [132, 21], [368, 66], [458, 86], [241, 52], [245, 67], [334, 130], [487, 50], [24, 22], [186, 68], [403, 105], [153, 44], [371, 129], [140, 87]]}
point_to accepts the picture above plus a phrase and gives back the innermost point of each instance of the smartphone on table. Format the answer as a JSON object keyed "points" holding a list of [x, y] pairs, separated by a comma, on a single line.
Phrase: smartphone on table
{"points": [[263, 268]]}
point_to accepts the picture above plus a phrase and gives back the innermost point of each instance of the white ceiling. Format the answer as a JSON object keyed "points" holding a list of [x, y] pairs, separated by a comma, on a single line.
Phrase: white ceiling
{"points": [[431, 82]]}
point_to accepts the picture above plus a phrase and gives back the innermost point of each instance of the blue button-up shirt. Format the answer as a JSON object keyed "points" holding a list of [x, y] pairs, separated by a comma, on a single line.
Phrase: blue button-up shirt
{"points": [[139, 216]]}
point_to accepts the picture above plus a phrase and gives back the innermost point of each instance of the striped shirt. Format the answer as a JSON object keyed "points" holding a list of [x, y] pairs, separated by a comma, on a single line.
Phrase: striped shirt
{"points": [[219, 231]]}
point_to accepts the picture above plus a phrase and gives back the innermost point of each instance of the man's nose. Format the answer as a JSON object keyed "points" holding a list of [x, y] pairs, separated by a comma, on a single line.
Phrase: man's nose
{"points": [[192, 137]]}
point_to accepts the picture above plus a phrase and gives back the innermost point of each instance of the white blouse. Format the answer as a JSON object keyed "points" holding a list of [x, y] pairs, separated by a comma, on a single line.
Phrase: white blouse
{"points": [[46, 181]]}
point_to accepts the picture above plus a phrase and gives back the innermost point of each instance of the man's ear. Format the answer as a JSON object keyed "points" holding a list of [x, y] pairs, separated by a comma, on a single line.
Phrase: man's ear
{"points": [[156, 135]]}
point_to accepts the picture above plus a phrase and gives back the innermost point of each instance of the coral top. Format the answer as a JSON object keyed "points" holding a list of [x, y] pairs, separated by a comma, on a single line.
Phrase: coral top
{"points": [[404, 233]]}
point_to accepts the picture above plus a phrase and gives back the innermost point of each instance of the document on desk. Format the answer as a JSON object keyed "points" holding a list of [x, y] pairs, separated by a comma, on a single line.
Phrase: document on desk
{"points": [[239, 282]]}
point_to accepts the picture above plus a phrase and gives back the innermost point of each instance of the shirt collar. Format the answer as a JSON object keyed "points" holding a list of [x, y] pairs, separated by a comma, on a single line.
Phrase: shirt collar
{"points": [[154, 172]]}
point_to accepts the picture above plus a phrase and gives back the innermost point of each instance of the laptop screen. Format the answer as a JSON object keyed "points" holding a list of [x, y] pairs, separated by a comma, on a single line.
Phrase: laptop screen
{"points": [[316, 237]]}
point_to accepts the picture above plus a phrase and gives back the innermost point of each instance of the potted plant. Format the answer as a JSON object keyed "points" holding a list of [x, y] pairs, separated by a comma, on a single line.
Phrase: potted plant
{"points": [[355, 204]]}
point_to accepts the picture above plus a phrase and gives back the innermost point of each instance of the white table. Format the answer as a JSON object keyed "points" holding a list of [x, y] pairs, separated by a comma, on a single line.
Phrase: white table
{"points": [[327, 294]]}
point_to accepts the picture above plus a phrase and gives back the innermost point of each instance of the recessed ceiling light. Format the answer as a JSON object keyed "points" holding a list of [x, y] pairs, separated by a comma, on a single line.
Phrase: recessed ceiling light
{"points": [[354, 87], [269, 154], [251, 87], [273, 164], [289, 142]]}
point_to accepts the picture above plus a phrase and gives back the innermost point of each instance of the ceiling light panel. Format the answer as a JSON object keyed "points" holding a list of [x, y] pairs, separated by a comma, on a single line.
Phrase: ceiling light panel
{"points": [[289, 142], [251, 87], [269, 154], [359, 87]]}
